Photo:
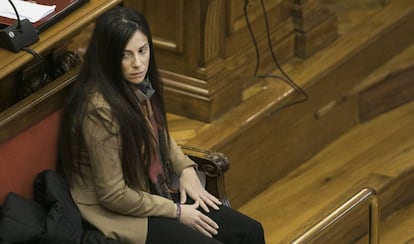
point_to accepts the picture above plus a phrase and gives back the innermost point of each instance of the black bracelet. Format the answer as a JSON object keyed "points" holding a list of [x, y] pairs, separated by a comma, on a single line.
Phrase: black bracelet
{"points": [[178, 214]]}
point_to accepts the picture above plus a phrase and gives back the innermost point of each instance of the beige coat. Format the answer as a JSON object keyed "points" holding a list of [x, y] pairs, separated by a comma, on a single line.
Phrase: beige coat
{"points": [[103, 198]]}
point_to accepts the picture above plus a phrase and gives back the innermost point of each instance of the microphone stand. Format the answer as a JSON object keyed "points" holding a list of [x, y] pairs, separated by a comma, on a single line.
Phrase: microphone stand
{"points": [[19, 35]]}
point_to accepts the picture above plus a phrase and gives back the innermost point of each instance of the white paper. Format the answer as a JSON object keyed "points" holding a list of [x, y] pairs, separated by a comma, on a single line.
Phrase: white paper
{"points": [[26, 10]]}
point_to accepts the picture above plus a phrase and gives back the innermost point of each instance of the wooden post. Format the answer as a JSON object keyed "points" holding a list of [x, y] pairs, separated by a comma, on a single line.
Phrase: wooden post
{"points": [[316, 27]]}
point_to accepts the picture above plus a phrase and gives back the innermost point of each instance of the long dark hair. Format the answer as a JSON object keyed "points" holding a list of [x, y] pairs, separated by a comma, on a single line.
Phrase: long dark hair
{"points": [[102, 72]]}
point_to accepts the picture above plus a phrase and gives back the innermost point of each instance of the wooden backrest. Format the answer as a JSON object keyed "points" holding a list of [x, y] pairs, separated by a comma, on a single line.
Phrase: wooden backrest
{"points": [[29, 136]]}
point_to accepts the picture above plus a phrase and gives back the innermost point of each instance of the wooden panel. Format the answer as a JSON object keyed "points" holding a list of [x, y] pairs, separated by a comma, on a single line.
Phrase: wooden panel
{"points": [[311, 41], [392, 92], [316, 27], [236, 20], [212, 35], [283, 47], [197, 100], [307, 15], [278, 14], [166, 26]]}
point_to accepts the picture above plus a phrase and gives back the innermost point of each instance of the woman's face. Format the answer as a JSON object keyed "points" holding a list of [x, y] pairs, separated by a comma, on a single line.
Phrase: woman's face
{"points": [[136, 57]]}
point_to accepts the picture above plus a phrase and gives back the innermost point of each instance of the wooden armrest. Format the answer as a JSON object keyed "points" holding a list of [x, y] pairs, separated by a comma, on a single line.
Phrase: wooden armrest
{"points": [[213, 165]]}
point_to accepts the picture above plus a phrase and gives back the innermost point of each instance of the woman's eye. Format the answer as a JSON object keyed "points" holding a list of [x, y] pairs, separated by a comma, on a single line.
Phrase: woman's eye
{"points": [[126, 55], [143, 50]]}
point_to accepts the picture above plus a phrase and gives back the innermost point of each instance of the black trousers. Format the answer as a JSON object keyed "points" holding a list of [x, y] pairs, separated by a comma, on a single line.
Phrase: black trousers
{"points": [[234, 227]]}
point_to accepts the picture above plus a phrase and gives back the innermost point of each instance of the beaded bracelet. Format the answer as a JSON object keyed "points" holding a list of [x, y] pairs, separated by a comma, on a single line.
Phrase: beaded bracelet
{"points": [[178, 214]]}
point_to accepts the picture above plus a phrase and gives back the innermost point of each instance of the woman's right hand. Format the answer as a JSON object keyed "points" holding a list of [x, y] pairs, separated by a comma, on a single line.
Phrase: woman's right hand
{"points": [[196, 220]]}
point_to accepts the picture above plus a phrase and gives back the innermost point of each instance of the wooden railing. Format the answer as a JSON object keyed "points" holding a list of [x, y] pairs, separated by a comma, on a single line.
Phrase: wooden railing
{"points": [[366, 194]]}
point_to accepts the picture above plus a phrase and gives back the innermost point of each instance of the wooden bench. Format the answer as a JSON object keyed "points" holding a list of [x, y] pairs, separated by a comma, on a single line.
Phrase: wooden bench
{"points": [[29, 135]]}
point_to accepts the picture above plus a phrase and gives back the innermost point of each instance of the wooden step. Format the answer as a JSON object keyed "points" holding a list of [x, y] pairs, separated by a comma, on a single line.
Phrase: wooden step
{"points": [[377, 154], [387, 87], [265, 141]]}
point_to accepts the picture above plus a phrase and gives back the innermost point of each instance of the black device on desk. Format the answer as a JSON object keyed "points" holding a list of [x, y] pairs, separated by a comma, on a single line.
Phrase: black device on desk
{"points": [[18, 35]]}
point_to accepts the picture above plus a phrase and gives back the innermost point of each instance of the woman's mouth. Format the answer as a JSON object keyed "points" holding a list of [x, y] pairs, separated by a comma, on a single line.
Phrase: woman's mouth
{"points": [[137, 74]]}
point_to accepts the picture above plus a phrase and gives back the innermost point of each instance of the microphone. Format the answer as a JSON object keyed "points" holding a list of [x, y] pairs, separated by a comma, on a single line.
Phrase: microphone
{"points": [[19, 35]]}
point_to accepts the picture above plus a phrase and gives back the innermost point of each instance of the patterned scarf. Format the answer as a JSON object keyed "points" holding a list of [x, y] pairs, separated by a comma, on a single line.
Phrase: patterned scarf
{"points": [[159, 167]]}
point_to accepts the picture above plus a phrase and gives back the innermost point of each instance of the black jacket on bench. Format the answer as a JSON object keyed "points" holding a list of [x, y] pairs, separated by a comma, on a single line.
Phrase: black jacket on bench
{"points": [[52, 217]]}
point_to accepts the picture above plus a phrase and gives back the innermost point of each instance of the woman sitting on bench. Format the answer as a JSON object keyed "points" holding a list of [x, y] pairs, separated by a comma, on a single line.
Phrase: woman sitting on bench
{"points": [[118, 156]]}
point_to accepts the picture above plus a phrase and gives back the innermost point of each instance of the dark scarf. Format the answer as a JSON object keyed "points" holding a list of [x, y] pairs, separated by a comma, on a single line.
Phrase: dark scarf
{"points": [[159, 170], [146, 87]]}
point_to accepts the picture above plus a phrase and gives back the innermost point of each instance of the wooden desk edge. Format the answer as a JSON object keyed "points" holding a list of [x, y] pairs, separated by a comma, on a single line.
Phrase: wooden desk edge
{"points": [[64, 29]]}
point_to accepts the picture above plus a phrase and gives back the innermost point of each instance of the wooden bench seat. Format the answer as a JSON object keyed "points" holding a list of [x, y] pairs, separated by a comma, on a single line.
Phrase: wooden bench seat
{"points": [[29, 135]]}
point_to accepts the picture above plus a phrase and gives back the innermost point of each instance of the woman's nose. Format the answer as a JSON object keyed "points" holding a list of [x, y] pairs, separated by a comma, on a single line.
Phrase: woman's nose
{"points": [[136, 62]]}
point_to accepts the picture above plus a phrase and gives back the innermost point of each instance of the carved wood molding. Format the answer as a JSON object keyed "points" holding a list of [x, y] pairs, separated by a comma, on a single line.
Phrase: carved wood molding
{"points": [[200, 99], [211, 33]]}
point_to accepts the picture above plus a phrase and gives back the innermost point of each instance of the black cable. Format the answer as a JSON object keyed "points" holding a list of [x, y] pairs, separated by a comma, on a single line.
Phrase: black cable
{"points": [[286, 77], [19, 25], [42, 61], [34, 53]]}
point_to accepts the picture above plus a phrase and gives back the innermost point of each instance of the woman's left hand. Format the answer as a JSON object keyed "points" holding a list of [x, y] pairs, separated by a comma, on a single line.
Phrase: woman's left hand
{"points": [[190, 185]]}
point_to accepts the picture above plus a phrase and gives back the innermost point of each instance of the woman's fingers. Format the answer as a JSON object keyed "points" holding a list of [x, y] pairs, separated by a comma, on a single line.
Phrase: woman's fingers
{"points": [[207, 220], [207, 226], [207, 200], [192, 217], [196, 204], [183, 197], [202, 230], [203, 205], [211, 201]]}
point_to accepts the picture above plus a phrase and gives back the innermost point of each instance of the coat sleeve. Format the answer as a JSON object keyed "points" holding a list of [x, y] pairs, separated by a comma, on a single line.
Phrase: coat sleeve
{"points": [[102, 142]]}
